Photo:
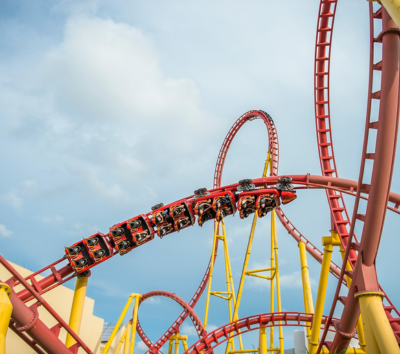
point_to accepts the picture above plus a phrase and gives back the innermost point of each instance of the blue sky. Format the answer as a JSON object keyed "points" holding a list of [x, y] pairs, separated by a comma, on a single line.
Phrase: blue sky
{"points": [[109, 107]]}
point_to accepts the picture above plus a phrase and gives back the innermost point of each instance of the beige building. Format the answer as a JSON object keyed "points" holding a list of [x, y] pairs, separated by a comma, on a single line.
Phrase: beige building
{"points": [[60, 299]]}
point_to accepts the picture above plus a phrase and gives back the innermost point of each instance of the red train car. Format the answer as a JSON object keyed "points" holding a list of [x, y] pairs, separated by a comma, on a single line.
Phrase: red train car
{"points": [[173, 217], [89, 252], [213, 206], [140, 229]]}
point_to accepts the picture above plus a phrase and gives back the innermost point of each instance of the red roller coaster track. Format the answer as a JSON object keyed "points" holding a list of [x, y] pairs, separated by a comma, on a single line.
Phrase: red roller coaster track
{"points": [[360, 254]]}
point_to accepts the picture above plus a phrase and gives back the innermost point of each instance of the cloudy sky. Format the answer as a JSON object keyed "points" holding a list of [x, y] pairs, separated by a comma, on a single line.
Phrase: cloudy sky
{"points": [[109, 107]]}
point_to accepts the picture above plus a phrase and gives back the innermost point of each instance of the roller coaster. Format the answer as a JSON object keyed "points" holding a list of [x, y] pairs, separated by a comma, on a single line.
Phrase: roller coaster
{"points": [[368, 313]]}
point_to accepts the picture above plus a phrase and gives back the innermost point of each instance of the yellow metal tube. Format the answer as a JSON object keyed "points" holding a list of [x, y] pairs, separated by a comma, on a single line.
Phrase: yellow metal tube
{"points": [[228, 288], [176, 344], [115, 330], [393, 8], [305, 278], [127, 339], [278, 284], [232, 288], [185, 346], [134, 322], [211, 274], [272, 275], [262, 341], [360, 328], [78, 302], [319, 306], [121, 341], [379, 334], [170, 344], [244, 351], [5, 314]]}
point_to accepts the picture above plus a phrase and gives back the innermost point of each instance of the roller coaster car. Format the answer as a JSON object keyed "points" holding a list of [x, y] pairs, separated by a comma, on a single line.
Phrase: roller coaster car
{"points": [[267, 201], [163, 221], [140, 229], [204, 209], [288, 196], [182, 214], [79, 257], [98, 247], [262, 200], [224, 204], [123, 239]]}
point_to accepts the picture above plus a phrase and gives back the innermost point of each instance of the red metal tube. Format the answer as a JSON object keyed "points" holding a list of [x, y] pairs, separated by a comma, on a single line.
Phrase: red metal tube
{"points": [[365, 277], [39, 332]]}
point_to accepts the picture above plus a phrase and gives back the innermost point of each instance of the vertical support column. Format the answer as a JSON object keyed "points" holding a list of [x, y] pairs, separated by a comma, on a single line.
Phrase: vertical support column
{"points": [[127, 339], [5, 314], [262, 341], [323, 282], [121, 341], [272, 276], [78, 303], [305, 278], [118, 324], [278, 284], [134, 322], [215, 240], [379, 334], [176, 343]]}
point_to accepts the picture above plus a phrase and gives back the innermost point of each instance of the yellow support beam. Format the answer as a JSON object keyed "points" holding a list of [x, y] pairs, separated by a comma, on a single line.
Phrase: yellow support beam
{"points": [[121, 341], [262, 341], [278, 284], [216, 225], [327, 242], [118, 324], [305, 278], [176, 338], [127, 337], [272, 276], [78, 303], [379, 334], [5, 314], [134, 322]]}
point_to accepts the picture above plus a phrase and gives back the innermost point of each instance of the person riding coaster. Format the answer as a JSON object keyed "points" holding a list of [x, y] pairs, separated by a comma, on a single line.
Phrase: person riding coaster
{"points": [[265, 204], [166, 229], [142, 236], [223, 207], [205, 217], [135, 224], [98, 255], [182, 222], [247, 206], [161, 216], [176, 210], [204, 206]]}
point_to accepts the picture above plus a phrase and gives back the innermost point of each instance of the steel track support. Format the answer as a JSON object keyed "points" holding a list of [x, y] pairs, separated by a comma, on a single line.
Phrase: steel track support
{"points": [[127, 337], [134, 322], [379, 333], [174, 339], [78, 302], [305, 278], [122, 340], [328, 243], [120, 319], [262, 342], [5, 314], [393, 8]]}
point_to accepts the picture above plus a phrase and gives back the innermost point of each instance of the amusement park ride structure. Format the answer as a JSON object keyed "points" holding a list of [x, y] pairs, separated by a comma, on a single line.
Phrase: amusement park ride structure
{"points": [[368, 313]]}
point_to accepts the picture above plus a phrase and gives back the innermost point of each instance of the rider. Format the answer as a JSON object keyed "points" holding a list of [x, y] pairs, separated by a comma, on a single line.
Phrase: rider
{"points": [[204, 206], [182, 222]]}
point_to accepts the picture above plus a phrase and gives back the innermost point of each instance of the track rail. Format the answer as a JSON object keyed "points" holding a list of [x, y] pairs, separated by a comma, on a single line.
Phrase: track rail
{"points": [[248, 324], [382, 159]]}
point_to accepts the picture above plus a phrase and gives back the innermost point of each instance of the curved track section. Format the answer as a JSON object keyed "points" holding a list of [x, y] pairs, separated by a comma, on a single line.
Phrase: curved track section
{"points": [[174, 328], [382, 158], [187, 309], [248, 324], [272, 136]]}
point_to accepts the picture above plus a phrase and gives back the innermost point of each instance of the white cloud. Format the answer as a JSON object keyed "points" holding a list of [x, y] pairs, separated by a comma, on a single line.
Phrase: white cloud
{"points": [[4, 231], [110, 71], [13, 200]]}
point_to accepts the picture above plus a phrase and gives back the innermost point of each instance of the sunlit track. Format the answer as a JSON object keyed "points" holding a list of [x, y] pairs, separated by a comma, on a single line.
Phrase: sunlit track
{"points": [[188, 311], [248, 324], [382, 158]]}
